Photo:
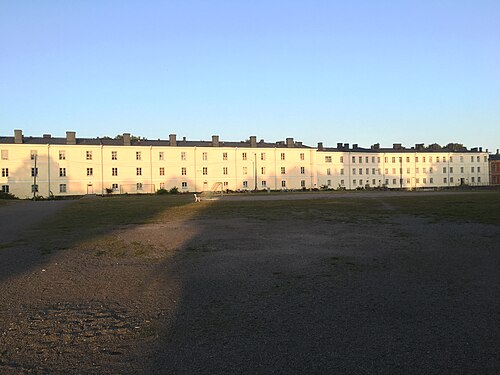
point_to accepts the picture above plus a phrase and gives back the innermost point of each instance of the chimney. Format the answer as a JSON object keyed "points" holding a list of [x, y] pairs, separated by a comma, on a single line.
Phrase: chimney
{"points": [[126, 139], [480, 149], [354, 145], [396, 146], [320, 146], [298, 144], [70, 138], [376, 146], [498, 151], [339, 146], [253, 141], [289, 142], [18, 136], [346, 146], [215, 140], [46, 136], [172, 140]]}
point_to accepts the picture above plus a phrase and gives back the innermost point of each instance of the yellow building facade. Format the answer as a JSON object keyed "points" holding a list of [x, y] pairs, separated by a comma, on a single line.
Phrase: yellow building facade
{"points": [[76, 166]]}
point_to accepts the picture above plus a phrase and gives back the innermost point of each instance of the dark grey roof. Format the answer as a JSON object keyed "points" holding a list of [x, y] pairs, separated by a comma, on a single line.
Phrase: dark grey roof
{"points": [[494, 157]]}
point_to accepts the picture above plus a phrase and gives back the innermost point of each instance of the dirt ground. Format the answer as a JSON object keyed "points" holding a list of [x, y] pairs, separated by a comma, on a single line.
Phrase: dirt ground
{"points": [[225, 296]]}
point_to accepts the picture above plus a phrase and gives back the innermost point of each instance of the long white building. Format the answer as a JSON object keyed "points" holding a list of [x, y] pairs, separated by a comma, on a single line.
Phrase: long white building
{"points": [[76, 166]]}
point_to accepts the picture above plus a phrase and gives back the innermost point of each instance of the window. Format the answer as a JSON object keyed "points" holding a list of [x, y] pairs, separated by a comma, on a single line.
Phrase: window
{"points": [[478, 169], [478, 158], [472, 179], [342, 182], [393, 159], [245, 184], [444, 180], [366, 159], [431, 170], [303, 183], [204, 156], [5, 188], [263, 184], [386, 159], [451, 179], [485, 159], [373, 161], [373, 182], [407, 159], [417, 180], [62, 188], [114, 171], [341, 159], [162, 171], [263, 170], [224, 156], [90, 171], [184, 184], [472, 169], [88, 155], [386, 170], [360, 159], [244, 156], [115, 187], [353, 159], [354, 182], [224, 170], [360, 170], [245, 170], [329, 182], [283, 170], [161, 155], [444, 159], [262, 156], [461, 158], [451, 169], [394, 181], [226, 184], [183, 155], [437, 159], [138, 155], [114, 155], [424, 170], [328, 159], [183, 171], [33, 153], [373, 171], [205, 171], [479, 179], [5, 155], [302, 170], [407, 170], [444, 169], [282, 156], [5, 172], [367, 170], [461, 169], [302, 156], [139, 186], [425, 180], [62, 172], [393, 170], [472, 159], [354, 171], [162, 185], [138, 171], [283, 184], [341, 170], [62, 155], [431, 180]]}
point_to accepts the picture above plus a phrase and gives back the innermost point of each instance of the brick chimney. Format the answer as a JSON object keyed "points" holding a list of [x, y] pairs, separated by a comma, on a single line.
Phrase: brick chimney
{"points": [[172, 140], [289, 142], [215, 140], [253, 141], [18, 136], [126, 139], [320, 146], [70, 138]]}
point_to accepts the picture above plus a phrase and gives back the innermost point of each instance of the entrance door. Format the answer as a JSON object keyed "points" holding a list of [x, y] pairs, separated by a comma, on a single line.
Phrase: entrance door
{"points": [[90, 189]]}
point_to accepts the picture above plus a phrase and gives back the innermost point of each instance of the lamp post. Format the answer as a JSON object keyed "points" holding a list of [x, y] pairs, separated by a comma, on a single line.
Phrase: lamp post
{"points": [[255, 170]]}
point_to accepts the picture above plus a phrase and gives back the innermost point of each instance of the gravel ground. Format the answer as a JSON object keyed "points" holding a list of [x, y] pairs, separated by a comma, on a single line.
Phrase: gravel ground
{"points": [[400, 295]]}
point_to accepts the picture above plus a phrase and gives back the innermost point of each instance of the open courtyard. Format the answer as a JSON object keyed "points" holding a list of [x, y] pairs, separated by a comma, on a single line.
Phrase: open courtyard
{"points": [[358, 282]]}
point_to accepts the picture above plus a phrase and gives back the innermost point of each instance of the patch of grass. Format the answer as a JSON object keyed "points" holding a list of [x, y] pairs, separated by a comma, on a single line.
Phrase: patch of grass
{"points": [[476, 207]]}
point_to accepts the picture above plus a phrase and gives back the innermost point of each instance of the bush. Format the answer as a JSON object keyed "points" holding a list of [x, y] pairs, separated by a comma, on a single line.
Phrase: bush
{"points": [[109, 190], [174, 190], [7, 195], [161, 191]]}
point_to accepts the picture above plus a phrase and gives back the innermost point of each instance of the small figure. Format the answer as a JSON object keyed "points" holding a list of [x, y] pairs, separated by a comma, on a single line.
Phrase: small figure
{"points": [[197, 198]]}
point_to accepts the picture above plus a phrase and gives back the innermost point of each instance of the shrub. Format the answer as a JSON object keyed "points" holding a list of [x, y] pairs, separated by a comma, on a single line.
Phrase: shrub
{"points": [[4, 195], [161, 191], [174, 190]]}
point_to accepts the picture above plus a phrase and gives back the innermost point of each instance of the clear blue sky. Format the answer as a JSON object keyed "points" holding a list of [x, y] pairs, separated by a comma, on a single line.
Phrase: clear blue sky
{"points": [[319, 71]]}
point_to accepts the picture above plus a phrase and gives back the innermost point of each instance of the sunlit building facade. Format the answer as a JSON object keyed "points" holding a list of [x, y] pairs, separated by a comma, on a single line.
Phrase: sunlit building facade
{"points": [[75, 166]]}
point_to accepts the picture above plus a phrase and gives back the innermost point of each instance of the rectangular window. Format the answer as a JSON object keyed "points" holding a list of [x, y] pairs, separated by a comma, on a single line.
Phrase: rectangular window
{"points": [[34, 188], [354, 182], [184, 184], [407, 170], [366, 159], [393, 159], [282, 156], [461, 158], [62, 155], [90, 171], [424, 170], [461, 169], [472, 169], [302, 156], [224, 156], [353, 159], [114, 155], [263, 183], [444, 180], [33, 153], [283, 170], [478, 169], [451, 179], [88, 155], [478, 158], [245, 184], [437, 159], [224, 170], [431, 180], [393, 170], [5, 155], [425, 180], [386, 170], [479, 179], [303, 183], [263, 170], [205, 170], [283, 184], [115, 187], [161, 155], [183, 155], [329, 182], [262, 156], [162, 171], [226, 184], [328, 159], [354, 171], [62, 188], [244, 156], [302, 170], [472, 179], [407, 159], [451, 159], [360, 171], [431, 170], [444, 169], [204, 156], [245, 170], [342, 182], [138, 171], [341, 170], [138, 155], [394, 181], [162, 185], [139, 186], [5, 188], [183, 171], [114, 171], [386, 159], [62, 172], [367, 170], [472, 159], [451, 169], [360, 159], [373, 171], [373, 161], [5, 172], [341, 159]]}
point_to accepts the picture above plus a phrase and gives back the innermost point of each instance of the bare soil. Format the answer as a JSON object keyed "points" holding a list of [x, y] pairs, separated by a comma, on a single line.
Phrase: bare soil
{"points": [[236, 295]]}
